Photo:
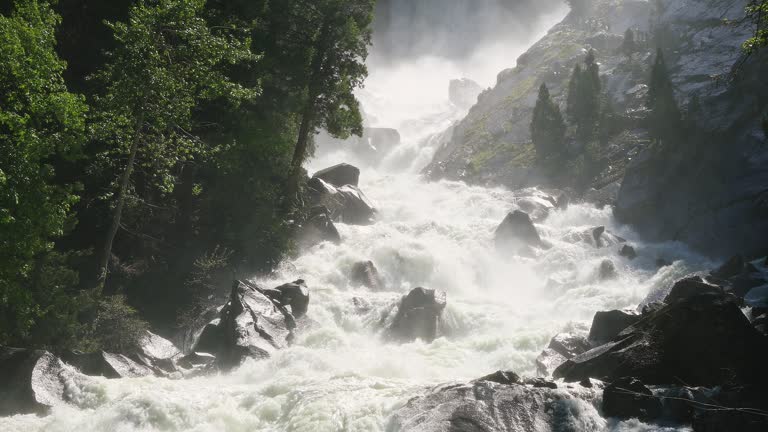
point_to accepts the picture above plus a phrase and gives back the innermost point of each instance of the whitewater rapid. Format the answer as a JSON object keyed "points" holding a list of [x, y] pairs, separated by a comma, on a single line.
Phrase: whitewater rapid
{"points": [[341, 375]]}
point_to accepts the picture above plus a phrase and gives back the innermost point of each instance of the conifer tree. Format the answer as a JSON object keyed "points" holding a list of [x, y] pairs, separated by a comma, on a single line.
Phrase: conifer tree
{"points": [[629, 46], [573, 87], [547, 127], [665, 115]]}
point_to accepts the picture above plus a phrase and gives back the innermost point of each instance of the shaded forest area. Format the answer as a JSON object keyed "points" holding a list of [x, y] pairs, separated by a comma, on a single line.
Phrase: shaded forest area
{"points": [[152, 149]]}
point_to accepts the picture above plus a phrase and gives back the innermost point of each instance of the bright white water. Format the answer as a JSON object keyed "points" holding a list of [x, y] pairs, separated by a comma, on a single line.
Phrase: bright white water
{"points": [[341, 375]]}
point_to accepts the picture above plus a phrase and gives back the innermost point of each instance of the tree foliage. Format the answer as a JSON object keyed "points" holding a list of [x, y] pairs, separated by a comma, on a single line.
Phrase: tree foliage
{"points": [[757, 13], [665, 114], [583, 105], [166, 63], [39, 120], [547, 127]]}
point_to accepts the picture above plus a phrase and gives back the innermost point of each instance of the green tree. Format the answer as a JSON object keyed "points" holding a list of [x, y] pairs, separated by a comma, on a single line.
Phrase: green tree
{"points": [[337, 45], [39, 120], [665, 115], [583, 105], [628, 45], [757, 13], [168, 61], [547, 127]]}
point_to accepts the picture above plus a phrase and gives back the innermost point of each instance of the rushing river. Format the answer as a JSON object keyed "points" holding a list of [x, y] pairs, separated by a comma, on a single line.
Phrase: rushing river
{"points": [[342, 375]]}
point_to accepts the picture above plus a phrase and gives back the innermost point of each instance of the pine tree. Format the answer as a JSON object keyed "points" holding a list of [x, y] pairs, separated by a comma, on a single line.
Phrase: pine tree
{"points": [[547, 127], [629, 46], [665, 114], [573, 87], [583, 106]]}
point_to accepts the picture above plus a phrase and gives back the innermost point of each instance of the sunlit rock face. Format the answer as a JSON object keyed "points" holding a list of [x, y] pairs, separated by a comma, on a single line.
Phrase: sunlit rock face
{"points": [[711, 194]]}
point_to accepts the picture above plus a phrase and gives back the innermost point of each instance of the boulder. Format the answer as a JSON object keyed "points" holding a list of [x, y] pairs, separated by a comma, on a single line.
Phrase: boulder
{"points": [[340, 175], [294, 294], [503, 377], [31, 381], [463, 92], [608, 325], [536, 203], [607, 270], [157, 354], [252, 325], [628, 252], [108, 365], [319, 228], [365, 274], [733, 267], [418, 315], [487, 406], [627, 398], [699, 340], [347, 204], [516, 232], [692, 287], [561, 348], [597, 237]]}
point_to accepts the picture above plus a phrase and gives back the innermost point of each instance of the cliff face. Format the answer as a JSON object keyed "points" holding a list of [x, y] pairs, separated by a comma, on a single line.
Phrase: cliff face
{"points": [[712, 193]]}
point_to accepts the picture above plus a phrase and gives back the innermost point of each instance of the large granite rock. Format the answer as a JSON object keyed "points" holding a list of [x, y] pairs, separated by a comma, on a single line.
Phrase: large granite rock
{"points": [[699, 337], [365, 274], [516, 233], [607, 325], [562, 347], [418, 316], [319, 228], [340, 175], [486, 405], [31, 381], [108, 365], [347, 204], [628, 398]]}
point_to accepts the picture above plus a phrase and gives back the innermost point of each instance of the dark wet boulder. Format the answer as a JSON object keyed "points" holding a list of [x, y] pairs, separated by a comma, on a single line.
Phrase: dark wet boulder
{"points": [[366, 274], [628, 252], [607, 325], [340, 175], [692, 287], [516, 232], [699, 340], [108, 365], [294, 294], [536, 203], [607, 270], [627, 398], [539, 382], [733, 267], [156, 353], [211, 338], [486, 406], [503, 377], [252, 325], [597, 237], [347, 204], [31, 381], [561, 348], [319, 228], [742, 284], [418, 316]]}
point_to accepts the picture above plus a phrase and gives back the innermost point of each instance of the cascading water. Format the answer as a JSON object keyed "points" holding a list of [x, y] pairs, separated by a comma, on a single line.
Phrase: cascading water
{"points": [[341, 375]]}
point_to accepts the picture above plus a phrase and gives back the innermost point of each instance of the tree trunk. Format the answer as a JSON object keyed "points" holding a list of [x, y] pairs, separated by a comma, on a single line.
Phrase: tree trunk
{"points": [[300, 151], [107, 251]]}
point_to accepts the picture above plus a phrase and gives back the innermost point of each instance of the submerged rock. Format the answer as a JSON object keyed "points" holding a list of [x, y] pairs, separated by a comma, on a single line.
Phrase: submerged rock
{"points": [[628, 252], [607, 270], [319, 228], [31, 381], [418, 316], [627, 398], [516, 232], [485, 405], [597, 237], [365, 274]]}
